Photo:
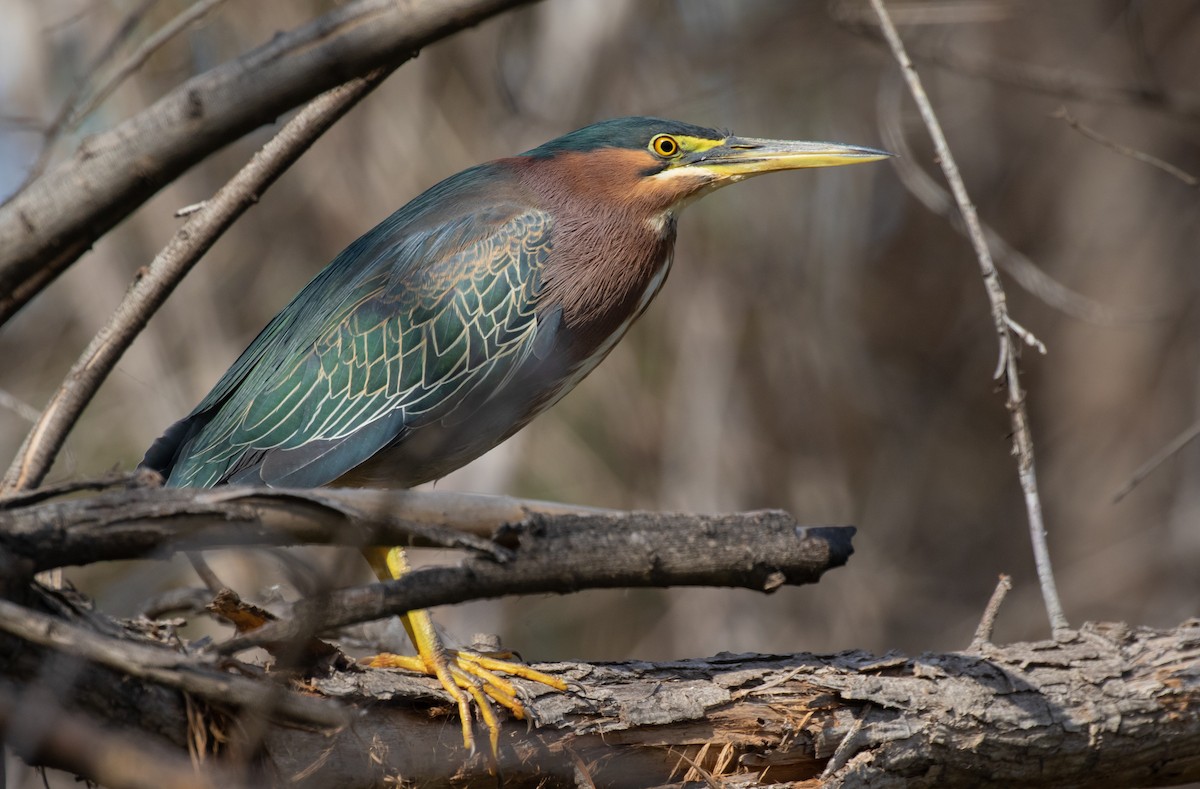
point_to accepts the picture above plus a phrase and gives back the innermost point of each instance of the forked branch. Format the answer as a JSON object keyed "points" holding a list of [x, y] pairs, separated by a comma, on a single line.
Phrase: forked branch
{"points": [[1007, 330]]}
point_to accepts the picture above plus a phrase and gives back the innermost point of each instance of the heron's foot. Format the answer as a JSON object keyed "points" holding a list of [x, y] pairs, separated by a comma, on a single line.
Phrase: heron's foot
{"points": [[473, 677]]}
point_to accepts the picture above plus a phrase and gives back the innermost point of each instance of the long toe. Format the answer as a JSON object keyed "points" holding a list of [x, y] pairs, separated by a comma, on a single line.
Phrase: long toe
{"points": [[474, 681]]}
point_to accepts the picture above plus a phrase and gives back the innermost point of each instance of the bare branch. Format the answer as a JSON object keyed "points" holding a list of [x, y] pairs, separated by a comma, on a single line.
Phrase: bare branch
{"points": [[559, 552], [54, 221], [1044, 714], [1046, 80], [1114, 702], [18, 406], [1157, 459], [1027, 274], [983, 633], [194, 673], [1133, 153], [193, 13], [1064, 83], [60, 124], [1022, 434], [127, 524], [169, 267], [1028, 337], [538, 547], [567, 553]]}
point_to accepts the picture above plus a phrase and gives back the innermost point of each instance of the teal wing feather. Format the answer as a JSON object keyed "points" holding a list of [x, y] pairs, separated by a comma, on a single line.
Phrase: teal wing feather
{"points": [[369, 352]]}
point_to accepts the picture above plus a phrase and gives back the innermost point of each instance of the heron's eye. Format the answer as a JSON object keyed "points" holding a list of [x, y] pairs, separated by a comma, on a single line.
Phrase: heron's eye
{"points": [[665, 145]]}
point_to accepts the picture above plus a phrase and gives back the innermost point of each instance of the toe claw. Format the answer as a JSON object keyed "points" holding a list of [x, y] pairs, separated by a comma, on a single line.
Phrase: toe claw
{"points": [[472, 679]]}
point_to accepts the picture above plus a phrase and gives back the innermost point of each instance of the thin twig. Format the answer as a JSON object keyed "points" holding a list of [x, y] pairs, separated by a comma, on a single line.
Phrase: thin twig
{"points": [[61, 122], [22, 123], [209, 578], [1157, 459], [1058, 82], [923, 13], [49, 225], [983, 633], [1022, 434], [56, 26], [193, 13], [1026, 335], [188, 210], [1133, 153], [149, 292], [179, 600], [1025, 272], [192, 673], [18, 406]]}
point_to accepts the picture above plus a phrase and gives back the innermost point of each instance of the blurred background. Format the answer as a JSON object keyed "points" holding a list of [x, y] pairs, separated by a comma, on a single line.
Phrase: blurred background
{"points": [[824, 344]]}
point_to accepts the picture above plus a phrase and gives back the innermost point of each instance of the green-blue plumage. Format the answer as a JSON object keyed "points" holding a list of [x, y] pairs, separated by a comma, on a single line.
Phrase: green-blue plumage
{"points": [[430, 334], [456, 320], [379, 343]]}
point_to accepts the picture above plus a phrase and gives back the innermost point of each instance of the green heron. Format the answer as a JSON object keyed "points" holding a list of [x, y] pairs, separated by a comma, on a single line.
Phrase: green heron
{"points": [[458, 319]]}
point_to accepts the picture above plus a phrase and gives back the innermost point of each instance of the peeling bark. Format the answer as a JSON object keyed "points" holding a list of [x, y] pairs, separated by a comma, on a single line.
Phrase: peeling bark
{"points": [[1109, 706], [1112, 706]]}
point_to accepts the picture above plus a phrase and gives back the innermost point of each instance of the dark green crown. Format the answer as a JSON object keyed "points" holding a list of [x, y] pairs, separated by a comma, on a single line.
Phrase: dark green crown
{"points": [[632, 133]]}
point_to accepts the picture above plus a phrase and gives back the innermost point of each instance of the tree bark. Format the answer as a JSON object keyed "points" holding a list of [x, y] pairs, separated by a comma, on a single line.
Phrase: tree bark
{"points": [[1110, 707]]}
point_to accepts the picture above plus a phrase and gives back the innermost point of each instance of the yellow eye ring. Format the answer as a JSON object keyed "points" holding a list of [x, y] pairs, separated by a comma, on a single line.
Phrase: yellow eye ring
{"points": [[665, 145]]}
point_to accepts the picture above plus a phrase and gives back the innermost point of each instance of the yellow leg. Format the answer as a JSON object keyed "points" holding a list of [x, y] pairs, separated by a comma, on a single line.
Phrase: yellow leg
{"points": [[458, 671]]}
